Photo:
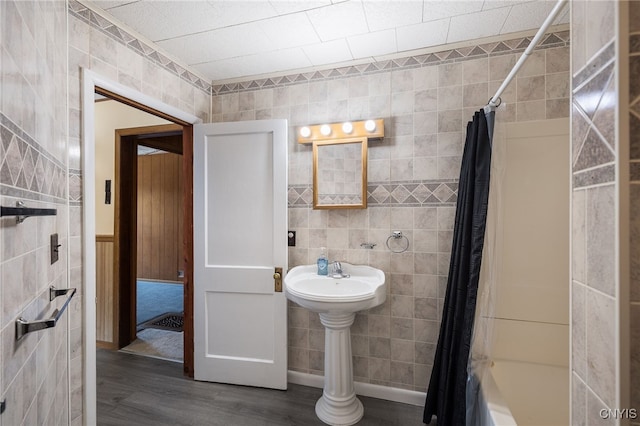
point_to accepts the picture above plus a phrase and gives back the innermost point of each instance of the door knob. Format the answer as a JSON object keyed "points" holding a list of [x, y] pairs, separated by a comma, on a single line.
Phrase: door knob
{"points": [[277, 277]]}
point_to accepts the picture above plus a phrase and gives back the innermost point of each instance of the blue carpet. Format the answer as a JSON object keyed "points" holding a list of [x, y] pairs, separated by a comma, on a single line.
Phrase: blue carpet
{"points": [[155, 298]]}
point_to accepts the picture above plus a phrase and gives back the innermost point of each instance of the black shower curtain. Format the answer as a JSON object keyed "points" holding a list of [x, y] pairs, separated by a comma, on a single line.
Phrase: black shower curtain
{"points": [[446, 397]]}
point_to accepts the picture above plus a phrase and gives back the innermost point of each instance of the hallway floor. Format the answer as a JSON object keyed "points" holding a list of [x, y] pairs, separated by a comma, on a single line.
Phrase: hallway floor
{"points": [[135, 390]]}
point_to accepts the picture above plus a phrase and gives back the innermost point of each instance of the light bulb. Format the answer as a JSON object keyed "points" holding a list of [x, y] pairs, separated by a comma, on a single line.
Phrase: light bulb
{"points": [[305, 132], [325, 130], [370, 125], [347, 127]]}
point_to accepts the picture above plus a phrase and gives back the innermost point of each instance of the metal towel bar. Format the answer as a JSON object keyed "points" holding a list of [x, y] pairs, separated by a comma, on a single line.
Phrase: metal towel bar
{"points": [[23, 327], [21, 212]]}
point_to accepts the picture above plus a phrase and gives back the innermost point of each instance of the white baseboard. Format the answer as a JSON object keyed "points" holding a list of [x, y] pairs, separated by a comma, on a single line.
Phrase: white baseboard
{"points": [[364, 389]]}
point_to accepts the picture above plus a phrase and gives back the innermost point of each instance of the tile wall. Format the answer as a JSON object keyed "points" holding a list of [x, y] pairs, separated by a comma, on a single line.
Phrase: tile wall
{"points": [[594, 212], [425, 101], [34, 372], [108, 49], [634, 193]]}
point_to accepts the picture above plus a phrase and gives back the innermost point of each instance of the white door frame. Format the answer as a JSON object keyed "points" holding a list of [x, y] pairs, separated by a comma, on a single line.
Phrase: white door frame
{"points": [[90, 80]]}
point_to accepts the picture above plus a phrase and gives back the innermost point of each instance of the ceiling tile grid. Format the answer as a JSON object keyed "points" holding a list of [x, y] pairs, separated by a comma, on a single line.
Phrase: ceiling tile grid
{"points": [[80, 11], [236, 39]]}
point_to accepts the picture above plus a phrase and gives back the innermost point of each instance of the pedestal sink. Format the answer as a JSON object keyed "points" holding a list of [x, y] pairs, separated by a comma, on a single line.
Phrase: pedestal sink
{"points": [[337, 300]]}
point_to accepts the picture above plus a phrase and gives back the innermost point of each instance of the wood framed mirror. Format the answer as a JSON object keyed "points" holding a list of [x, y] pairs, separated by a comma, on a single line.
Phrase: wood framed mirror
{"points": [[340, 173]]}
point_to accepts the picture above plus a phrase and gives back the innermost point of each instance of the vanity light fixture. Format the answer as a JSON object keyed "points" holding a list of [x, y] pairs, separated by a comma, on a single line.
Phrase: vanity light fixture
{"points": [[370, 125], [371, 129], [305, 132], [325, 130]]}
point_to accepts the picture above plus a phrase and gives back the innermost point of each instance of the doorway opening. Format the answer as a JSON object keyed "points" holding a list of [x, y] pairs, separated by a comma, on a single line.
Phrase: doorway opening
{"points": [[151, 248]]}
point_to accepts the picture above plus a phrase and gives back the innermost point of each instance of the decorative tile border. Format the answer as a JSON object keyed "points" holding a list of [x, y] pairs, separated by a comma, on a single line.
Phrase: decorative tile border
{"points": [[414, 193], [85, 14], [594, 138], [555, 39], [27, 170]]}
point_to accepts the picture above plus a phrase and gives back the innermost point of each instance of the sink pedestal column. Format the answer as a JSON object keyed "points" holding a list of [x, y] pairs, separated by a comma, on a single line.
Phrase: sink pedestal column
{"points": [[338, 404]]}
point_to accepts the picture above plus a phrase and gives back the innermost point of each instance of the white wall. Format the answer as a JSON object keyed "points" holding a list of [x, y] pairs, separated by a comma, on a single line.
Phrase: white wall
{"points": [[532, 295]]}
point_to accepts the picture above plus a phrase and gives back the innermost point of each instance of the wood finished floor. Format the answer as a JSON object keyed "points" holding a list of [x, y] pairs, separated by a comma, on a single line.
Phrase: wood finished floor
{"points": [[135, 390]]}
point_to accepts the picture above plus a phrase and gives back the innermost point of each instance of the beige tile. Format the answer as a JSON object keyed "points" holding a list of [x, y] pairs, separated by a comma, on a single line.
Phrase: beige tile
{"points": [[425, 285], [600, 226], [421, 376], [557, 85], [401, 81], [360, 324], [316, 360], [449, 167], [475, 71], [578, 401], [401, 372], [501, 66], [402, 263], [601, 376], [579, 329], [360, 367], [450, 144], [379, 369], [402, 328], [449, 97], [425, 78], [379, 326], [298, 358], [425, 168], [402, 103], [426, 100], [426, 263], [360, 345], [449, 74], [425, 123], [594, 410], [475, 95], [449, 121], [379, 347], [425, 145], [558, 59], [557, 108], [425, 241], [424, 352], [426, 330], [316, 339], [425, 217], [299, 337], [530, 88], [426, 308], [402, 350], [535, 65], [402, 306], [401, 284]]}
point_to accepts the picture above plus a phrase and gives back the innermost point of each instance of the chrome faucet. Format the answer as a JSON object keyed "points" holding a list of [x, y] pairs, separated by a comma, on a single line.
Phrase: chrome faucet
{"points": [[337, 271]]}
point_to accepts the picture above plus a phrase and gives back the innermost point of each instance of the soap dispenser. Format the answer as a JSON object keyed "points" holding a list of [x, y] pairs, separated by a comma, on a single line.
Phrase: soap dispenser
{"points": [[323, 262]]}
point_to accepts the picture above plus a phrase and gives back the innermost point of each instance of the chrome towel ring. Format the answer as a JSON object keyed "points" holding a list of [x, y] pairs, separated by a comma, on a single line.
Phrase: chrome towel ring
{"points": [[397, 235]]}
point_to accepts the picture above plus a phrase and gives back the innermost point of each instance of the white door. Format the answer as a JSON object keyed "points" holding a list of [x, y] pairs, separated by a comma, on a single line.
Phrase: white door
{"points": [[240, 237]]}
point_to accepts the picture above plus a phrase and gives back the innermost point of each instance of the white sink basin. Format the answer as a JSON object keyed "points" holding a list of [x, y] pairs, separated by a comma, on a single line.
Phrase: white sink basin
{"points": [[364, 289], [337, 300]]}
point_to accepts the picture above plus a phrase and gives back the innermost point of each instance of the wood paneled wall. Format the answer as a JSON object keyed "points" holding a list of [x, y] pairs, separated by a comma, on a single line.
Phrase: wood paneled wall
{"points": [[105, 292], [160, 217]]}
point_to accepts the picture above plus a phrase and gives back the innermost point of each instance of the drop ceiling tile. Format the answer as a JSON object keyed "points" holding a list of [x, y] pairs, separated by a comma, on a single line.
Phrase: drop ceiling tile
{"points": [[218, 44], [254, 65], [432, 33], [330, 52], [299, 31], [495, 4], [284, 7], [236, 12], [477, 25], [108, 4], [373, 44], [527, 15], [383, 15], [434, 10], [182, 18], [338, 20], [142, 17]]}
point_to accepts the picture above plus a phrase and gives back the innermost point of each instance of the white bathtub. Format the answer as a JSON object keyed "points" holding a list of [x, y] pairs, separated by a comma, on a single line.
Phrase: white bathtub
{"points": [[523, 394]]}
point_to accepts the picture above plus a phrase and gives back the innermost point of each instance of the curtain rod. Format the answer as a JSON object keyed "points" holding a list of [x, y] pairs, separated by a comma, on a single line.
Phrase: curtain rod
{"points": [[495, 100]]}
